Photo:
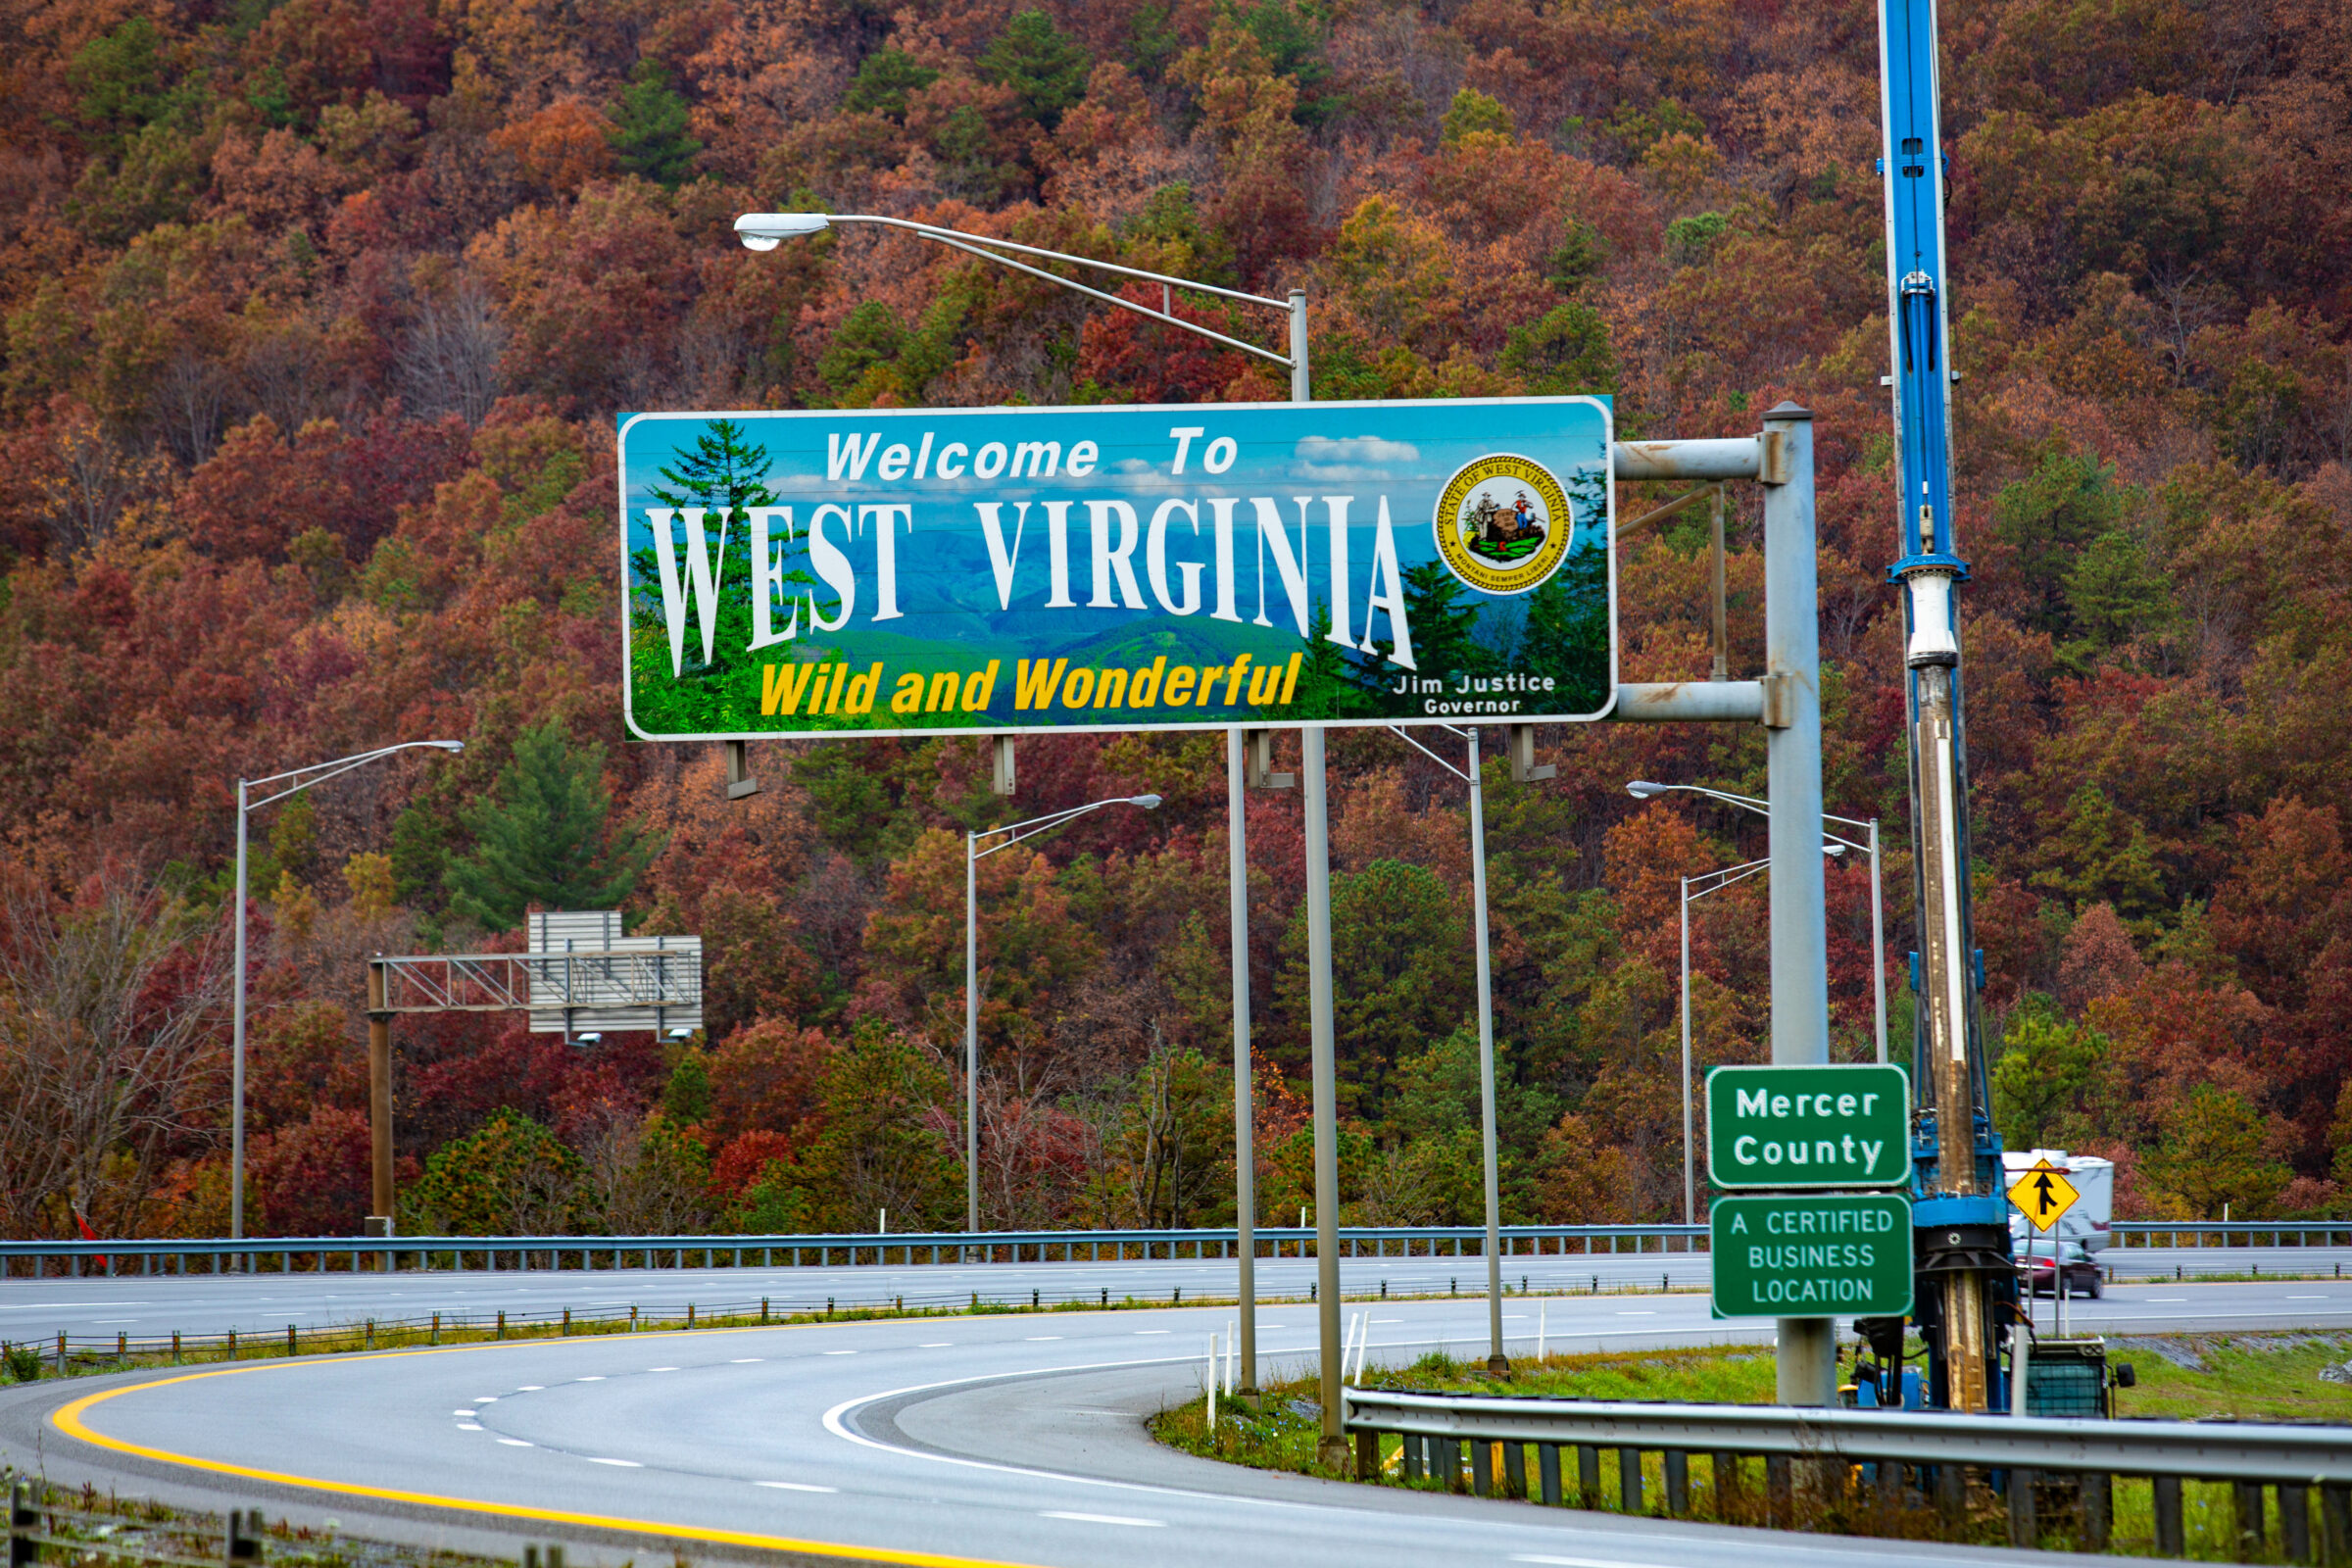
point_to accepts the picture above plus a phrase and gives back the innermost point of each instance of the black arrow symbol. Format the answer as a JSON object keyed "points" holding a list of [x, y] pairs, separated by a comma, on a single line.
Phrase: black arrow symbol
{"points": [[2044, 1199]]}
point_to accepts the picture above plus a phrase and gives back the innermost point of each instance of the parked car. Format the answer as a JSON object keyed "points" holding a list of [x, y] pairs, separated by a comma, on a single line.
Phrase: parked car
{"points": [[2039, 1268]]}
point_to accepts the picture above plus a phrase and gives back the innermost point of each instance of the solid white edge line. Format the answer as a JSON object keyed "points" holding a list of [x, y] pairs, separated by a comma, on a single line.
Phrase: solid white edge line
{"points": [[1106, 1519], [836, 1422]]}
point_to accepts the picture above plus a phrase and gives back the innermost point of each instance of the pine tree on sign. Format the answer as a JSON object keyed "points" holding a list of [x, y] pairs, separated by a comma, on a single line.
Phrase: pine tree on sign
{"points": [[544, 837]]}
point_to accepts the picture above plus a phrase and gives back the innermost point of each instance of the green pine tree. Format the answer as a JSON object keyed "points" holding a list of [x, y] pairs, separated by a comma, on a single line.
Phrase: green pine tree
{"points": [[544, 837], [884, 79], [650, 133], [1046, 68]]}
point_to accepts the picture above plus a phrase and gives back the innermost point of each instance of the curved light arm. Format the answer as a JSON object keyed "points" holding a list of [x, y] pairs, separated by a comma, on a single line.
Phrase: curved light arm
{"points": [[321, 773], [1399, 732], [1040, 824], [765, 231], [1719, 880], [1643, 789]]}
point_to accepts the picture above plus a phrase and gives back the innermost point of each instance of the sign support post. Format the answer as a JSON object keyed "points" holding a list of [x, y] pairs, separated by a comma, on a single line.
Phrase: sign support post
{"points": [[1244, 1105], [1244, 1094], [1807, 1361]]}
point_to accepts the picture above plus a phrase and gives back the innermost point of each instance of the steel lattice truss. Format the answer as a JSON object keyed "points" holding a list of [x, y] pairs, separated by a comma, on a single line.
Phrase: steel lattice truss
{"points": [[604, 981]]}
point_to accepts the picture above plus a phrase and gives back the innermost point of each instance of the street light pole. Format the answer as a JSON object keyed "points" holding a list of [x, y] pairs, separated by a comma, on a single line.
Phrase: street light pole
{"points": [[765, 231], [1721, 880], [1496, 1361], [972, 1036], [973, 854], [1878, 946], [1331, 1445], [1643, 789], [1244, 1088], [304, 778]]}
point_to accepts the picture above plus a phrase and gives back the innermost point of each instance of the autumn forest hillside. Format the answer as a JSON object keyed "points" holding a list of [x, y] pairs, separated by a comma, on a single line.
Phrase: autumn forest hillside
{"points": [[314, 316]]}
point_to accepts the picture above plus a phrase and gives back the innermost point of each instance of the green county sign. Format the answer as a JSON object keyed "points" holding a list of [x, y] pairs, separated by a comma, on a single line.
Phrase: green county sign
{"points": [[1778, 1128], [975, 570], [1811, 1256]]}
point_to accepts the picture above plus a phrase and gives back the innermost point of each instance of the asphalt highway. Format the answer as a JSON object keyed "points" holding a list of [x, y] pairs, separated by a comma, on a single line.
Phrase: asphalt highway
{"points": [[153, 1307], [972, 1440]]}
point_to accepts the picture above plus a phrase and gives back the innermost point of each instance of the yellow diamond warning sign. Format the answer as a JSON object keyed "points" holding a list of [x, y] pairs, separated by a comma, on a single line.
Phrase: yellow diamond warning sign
{"points": [[2042, 1194]]}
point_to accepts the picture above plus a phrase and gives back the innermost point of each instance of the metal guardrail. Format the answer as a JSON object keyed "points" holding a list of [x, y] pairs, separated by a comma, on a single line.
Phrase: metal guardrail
{"points": [[1933, 1448], [2236, 1231], [45, 1524], [291, 1253], [173, 1255]]}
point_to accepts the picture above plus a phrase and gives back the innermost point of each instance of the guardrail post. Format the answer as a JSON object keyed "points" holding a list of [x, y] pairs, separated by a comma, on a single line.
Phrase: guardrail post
{"points": [[1367, 1454], [2336, 1521], [238, 1547], [1779, 1494], [2168, 1535], [1678, 1483], [23, 1520], [2021, 1528], [1514, 1469], [1547, 1467], [1628, 1479], [1587, 1476], [2245, 1498], [2098, 1509], [1482, 1467], [2294, 1522]]}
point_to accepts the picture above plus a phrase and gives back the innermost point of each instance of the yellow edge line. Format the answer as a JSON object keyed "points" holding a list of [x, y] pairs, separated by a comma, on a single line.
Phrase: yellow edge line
{"points": [[68, 1420]]}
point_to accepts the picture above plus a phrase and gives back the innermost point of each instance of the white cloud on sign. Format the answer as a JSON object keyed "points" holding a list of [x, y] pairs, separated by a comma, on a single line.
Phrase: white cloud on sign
{"points": [[1355, 457]]}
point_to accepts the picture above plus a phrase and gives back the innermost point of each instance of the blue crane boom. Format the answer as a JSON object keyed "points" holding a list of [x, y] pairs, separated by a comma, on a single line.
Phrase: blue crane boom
{"points": [[1961, 1237]]}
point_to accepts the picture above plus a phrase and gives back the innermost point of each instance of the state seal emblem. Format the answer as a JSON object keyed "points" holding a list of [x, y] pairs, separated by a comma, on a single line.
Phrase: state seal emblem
{"points": [[1502, 523]]}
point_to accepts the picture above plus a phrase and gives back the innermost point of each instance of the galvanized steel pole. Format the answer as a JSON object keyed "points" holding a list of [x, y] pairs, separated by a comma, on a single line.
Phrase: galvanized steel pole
{"points": [[971, 1034], [1690, 1179], [1244, 1158], [1878, 944], [1806, 1359], [236, 1049], [1496, 1361], [1332, 1447]]}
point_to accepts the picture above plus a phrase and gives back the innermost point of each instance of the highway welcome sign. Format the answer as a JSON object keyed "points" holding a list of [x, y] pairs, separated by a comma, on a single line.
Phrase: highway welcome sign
{"points": [[1118, 568]]}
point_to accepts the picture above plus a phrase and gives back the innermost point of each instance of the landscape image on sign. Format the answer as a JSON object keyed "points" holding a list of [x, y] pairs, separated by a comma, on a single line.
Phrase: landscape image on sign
{"points": [[1116, 569]]}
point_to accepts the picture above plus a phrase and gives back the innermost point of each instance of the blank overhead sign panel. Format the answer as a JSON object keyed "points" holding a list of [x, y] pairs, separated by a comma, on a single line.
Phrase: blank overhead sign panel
{"points": [[585, 976], [886, 572]]}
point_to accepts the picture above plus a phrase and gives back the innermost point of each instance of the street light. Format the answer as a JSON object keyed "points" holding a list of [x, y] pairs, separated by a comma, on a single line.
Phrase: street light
{"points": [[973, 854], [1496, 1361], [304, 778], [765, 231], [1716, 882], [1643, 789]]}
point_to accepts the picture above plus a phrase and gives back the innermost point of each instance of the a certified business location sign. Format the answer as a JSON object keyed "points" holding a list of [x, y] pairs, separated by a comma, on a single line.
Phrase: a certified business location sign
{"points": [[1118, 568], [1802, 1254], [1779, 1128]]}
